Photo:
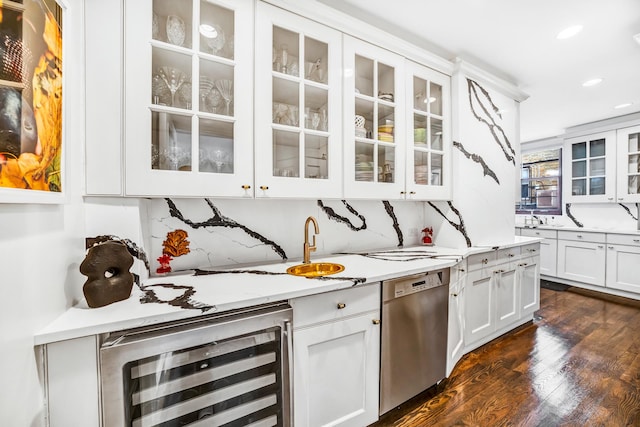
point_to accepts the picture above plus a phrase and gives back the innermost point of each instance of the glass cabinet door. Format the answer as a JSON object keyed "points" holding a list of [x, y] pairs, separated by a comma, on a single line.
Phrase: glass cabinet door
{"points": [[590, 163], [374, 141], [428, 161], [297, 106], [628, 145], [188, 97]]}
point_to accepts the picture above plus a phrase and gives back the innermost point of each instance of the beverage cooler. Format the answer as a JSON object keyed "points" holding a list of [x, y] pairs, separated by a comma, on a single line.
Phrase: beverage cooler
{"points": [[229, 369]]}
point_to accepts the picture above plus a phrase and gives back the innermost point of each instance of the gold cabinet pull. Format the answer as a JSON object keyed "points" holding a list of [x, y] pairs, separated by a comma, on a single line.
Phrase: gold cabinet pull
{"points": [[376, 321], [246, 187], [341, 305], [264, 187]]}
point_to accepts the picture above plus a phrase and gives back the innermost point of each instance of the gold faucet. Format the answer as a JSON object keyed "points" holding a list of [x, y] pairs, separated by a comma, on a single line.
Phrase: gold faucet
{"points": [[309, 248]]}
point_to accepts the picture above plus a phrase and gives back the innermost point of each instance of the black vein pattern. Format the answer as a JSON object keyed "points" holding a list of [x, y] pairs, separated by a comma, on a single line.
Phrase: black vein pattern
{"points": [[396, 225], [486, 170], [496, 130], [570, 215], [404, 256], [183, 300], [628, 211], [460, 227], [199, 272], [135, 250], [339, 218], [218, 220]]}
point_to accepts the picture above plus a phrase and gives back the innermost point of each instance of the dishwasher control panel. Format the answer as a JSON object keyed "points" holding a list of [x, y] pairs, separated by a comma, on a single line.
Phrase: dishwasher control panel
{"points": [[417, 284]]}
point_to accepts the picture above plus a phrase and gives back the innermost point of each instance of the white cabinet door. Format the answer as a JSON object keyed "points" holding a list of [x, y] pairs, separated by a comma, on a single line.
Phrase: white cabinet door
{"points": [[549, 257], [455, 336], [479, 308], [589, 168], [506, 296], [298, 106], [336, 372], [582, 261], [428, 145], [375, 126], [623, 268], [188, 98], [529, 286], [628, 171]]}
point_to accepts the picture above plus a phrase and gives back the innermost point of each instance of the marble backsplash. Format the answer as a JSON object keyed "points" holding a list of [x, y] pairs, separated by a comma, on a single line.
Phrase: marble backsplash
{"points": [[222, 232]]}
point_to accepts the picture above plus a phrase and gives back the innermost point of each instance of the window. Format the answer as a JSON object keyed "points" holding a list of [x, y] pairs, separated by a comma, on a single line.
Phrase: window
{"points": [[541, 183]]}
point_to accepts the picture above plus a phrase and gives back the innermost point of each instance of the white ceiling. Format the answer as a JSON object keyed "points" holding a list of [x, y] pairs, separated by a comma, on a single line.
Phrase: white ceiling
{"points": [[516, 40]]}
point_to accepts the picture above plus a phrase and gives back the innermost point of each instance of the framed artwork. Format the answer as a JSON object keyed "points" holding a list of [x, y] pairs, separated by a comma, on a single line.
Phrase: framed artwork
{"points": [[31, 102]]}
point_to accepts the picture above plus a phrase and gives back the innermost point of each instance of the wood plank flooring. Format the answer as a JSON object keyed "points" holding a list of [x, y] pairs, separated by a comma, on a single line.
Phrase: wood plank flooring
{"points": [[576, 364]]}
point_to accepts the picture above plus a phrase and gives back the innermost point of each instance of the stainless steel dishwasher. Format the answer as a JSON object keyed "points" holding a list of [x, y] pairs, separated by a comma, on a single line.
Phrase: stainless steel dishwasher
{"points": [[414, 336]]}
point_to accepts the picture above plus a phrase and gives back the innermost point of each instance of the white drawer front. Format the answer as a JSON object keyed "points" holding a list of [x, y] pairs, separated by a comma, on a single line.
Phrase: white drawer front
{"points": [[582, 236], [335, 305], [538, 232], [624, 239], [508, 254], [483, 260]]}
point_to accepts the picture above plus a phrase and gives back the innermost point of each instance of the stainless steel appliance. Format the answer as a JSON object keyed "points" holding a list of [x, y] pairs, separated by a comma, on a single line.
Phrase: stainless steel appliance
{"points": [[414, 336], [227, 369]]}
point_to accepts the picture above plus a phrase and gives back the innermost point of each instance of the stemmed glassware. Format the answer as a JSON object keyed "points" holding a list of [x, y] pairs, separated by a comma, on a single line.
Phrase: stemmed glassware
{"points": [[225, 87], [173, 78]]}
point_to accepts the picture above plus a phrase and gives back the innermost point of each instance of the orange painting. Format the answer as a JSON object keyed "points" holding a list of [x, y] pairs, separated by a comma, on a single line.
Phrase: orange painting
{"points": [[31, 95]]}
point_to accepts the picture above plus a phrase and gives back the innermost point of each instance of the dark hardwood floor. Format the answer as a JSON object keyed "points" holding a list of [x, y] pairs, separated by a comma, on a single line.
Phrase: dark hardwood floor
{"points": [[576, 364]]}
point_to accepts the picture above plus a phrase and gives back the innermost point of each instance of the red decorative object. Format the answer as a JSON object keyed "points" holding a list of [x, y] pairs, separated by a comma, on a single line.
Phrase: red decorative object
{"points": [[427, 234], [164, 261]]}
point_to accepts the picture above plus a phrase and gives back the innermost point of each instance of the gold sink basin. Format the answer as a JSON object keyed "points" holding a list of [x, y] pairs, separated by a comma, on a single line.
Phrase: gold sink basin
{"points": [[315, 269]]}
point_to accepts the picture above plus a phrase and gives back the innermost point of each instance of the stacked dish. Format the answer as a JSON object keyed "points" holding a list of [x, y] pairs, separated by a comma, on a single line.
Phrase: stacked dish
{"points": [[421, 174], [385, 133], [364, 171]]}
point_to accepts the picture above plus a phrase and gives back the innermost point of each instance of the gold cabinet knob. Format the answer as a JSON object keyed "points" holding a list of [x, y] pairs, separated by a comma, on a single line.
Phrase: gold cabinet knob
{"points": [[485, 261], [264, 187], [246, 187], [341, 305], [376, 321]]}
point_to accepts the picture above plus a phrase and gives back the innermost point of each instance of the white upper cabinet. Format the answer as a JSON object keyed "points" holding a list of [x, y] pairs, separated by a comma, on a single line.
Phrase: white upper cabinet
{"points": [[589, 163], [375, 126], [428, 149], [628, 188], [298, 111], [189, 98]]}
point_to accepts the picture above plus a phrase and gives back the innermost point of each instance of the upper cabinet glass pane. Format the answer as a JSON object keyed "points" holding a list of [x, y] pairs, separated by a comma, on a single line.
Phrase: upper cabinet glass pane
{"points": [[172, 22], [420, 94], [634, 142], [386, 82], [315, 60], [597, 148], [171, 81], [364, 75], [216, 30], [286, 51], [435, 99], [436, 134], [579, 150]]}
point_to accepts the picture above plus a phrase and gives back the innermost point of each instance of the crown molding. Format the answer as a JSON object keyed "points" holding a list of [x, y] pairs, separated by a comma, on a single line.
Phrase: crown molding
{"points": [[505, 87]]}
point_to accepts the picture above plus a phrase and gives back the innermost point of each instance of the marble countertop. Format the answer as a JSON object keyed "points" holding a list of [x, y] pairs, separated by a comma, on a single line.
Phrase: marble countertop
{"points": [[180, 296]]}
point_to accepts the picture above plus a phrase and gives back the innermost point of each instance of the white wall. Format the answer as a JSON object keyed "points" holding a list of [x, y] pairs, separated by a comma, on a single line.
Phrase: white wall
{"points": [[41, 247]]}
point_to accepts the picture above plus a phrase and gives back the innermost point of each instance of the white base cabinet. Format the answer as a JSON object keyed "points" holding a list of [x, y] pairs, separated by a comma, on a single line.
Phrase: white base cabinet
{"points": [[336, 347], [455, 335], [623, 263], [502, 290], [582, 257], [548, 249]]}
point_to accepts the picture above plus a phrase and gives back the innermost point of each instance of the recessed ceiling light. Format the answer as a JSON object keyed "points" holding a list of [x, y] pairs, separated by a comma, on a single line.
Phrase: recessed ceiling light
{"points": [[592, 82], [625, 105], [569, 32], [637, 38]]}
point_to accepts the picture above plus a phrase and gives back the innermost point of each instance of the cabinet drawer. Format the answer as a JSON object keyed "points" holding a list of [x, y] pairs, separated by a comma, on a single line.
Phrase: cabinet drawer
{"points": [[335, 305], [530, 250], [508, 254], [537, 232], [482, 260], [624, 239], [581, 236]]}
